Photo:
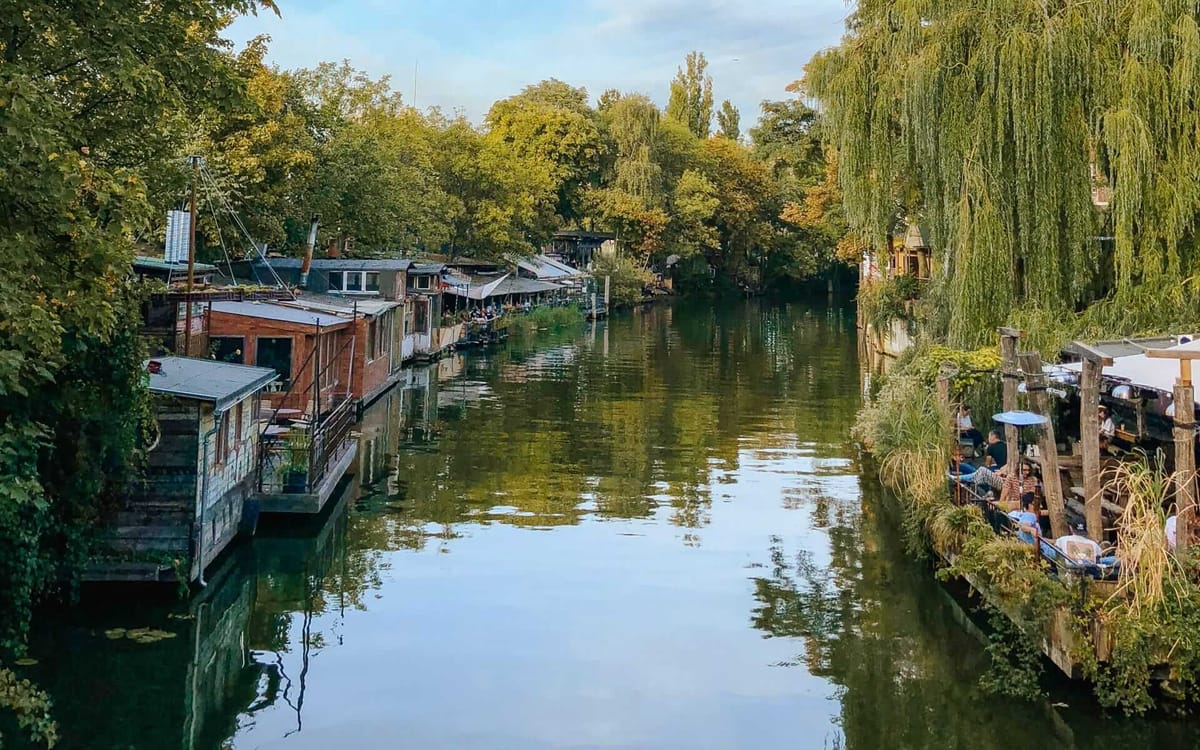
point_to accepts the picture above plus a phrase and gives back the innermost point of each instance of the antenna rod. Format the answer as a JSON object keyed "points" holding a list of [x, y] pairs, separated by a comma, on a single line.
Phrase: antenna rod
{"points": [[191, 266]]}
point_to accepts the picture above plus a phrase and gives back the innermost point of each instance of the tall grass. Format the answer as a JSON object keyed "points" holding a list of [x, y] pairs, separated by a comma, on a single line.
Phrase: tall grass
{"points": [[908, 431], [1150, 573], [550, 318]]}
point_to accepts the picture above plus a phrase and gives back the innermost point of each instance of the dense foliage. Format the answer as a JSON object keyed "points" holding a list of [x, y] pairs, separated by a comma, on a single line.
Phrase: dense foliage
{"points": [[388, 179], [93, 104], [994, 121]]}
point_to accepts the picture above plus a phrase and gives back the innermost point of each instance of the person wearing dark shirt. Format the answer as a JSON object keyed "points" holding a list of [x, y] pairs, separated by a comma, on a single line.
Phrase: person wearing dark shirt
{"points": [[996, 452]]}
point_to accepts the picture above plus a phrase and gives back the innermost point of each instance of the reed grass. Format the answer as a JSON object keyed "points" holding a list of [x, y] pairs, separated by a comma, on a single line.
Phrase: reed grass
{"points": [[1150, 573]]}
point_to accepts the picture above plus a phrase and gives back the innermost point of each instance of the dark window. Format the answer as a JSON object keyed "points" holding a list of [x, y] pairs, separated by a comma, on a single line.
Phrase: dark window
{"points": [[354, 282], [372, 344], [335, 281], [422, 282], [421, 322], [228, 348], [372, 284], [275, 353]]}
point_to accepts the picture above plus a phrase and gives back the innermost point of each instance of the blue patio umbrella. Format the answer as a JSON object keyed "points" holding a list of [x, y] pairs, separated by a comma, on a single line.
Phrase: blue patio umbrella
{"points": [[1019, 418]]}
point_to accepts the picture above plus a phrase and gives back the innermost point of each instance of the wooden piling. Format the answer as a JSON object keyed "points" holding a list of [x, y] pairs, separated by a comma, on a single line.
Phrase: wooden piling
{"points": [[1009, 374], [1093, 363], [1185, 443], [1035, 386]]}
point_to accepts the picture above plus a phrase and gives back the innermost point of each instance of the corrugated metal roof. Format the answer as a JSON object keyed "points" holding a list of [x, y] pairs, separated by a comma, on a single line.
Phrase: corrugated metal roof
{"points": [[517, 285], [545, 267], [345, 264], [222, 383], [505, 285], [340, 305], [1139, 370], [1129, 347], [279, 313], [426, 269]]}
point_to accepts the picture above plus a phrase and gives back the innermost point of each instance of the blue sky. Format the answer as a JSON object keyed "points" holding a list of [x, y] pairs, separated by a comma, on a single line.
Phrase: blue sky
{"points": [[469, 53]]}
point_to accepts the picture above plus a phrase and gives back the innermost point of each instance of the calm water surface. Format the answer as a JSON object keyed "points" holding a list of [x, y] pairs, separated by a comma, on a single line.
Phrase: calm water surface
{"points": [[652, 534]]}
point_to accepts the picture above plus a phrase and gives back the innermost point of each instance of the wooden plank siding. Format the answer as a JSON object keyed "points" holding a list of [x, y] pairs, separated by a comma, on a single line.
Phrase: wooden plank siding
{"points": [[158, 527]]}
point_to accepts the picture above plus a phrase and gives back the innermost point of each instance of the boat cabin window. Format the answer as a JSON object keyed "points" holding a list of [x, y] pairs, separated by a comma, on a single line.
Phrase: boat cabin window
{"points": [[228, 348], [276, 353]]}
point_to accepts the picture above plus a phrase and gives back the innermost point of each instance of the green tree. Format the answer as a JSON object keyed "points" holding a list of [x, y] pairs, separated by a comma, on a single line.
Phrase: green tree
{"points": [[694, 227], [493, 196], [551, 123], [691, 101], [729, 120], [996, 124], [91, 100], [633, 124]]}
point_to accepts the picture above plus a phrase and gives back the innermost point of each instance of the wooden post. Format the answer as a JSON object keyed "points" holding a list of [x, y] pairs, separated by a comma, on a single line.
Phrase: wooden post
{"points": [[1035, 385], [191, 261], [1185, 443], [1093, 363], [1009, 373]]}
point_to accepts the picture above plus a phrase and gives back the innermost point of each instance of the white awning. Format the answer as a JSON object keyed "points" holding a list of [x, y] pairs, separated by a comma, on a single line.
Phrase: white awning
{"points": [[1142, 371]]}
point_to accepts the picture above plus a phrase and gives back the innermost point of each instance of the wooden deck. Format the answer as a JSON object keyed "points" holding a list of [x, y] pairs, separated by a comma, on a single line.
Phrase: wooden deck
{"points": [[311, 503]]}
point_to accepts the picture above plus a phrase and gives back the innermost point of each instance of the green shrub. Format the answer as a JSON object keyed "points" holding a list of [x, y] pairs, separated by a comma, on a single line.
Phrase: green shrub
{"points": [[627, 279]]}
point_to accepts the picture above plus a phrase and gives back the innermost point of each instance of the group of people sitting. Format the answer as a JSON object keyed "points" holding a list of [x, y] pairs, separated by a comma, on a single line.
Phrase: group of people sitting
{"points": [[1015, 491]]}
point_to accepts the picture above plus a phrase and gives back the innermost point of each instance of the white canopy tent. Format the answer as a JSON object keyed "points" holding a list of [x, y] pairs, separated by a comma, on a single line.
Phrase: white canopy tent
{"points": [[1141, 371]]}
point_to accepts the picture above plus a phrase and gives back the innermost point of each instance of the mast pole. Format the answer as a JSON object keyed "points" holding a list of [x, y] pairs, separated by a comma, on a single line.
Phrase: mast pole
{"points": [[191, 263]]}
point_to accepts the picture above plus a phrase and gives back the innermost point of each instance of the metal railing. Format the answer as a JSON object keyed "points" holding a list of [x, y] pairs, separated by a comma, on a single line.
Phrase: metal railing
{"points": [[299, 460]]}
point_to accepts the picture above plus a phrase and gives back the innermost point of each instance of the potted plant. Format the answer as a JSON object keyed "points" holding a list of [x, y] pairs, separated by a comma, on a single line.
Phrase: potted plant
{"points": [[295, 468]]}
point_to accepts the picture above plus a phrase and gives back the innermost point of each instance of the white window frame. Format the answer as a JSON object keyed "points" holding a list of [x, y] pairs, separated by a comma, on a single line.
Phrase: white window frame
{"points": [[360, 276]]}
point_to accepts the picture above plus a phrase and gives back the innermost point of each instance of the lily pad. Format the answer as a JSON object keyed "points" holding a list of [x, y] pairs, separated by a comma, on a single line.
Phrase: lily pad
{"points": [[139, 635], [149, 635], [26, 662]]}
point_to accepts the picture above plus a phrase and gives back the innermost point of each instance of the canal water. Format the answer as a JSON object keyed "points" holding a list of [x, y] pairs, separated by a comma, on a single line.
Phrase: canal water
{"points": [[653, 533]]}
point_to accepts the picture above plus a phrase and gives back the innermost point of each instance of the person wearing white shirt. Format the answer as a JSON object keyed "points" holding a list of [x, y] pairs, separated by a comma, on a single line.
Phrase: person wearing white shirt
{"points": [[1169, 530], [966, 428]]}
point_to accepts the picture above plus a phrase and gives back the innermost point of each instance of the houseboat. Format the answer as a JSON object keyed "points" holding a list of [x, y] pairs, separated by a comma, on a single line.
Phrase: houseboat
{"points": [[416, 285], [307, 446], [200, 472]]}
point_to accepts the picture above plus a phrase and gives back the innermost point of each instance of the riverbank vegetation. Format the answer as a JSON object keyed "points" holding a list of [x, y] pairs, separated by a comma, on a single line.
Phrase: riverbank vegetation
{"points": [[1150, 616], [540, 319]]}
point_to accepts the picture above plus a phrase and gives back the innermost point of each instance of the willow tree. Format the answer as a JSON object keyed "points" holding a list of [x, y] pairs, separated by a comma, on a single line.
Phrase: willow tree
{"points": [[995, 120]]}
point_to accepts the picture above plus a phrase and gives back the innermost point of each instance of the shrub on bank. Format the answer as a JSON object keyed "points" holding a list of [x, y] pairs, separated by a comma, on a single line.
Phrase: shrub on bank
{"points": [[627, 279], [551, 318]]}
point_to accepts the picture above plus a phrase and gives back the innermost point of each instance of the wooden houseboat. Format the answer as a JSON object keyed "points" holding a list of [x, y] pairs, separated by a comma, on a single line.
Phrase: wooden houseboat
{"points": [[200, 473], [307, 446]]}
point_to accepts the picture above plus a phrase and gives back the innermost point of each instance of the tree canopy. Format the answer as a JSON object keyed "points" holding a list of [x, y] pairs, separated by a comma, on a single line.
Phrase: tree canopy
{"points": [[997, 123]]}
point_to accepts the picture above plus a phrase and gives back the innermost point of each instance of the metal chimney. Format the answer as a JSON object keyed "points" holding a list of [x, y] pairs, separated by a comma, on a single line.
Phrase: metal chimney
{"points": [[308, 251]]}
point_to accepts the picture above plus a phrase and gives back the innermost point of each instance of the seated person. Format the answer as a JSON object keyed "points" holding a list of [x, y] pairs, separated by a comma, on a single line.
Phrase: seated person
{"points": [[996, 452], [1019, 484], [966, 428], [959, 466], [1025, 521]]}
